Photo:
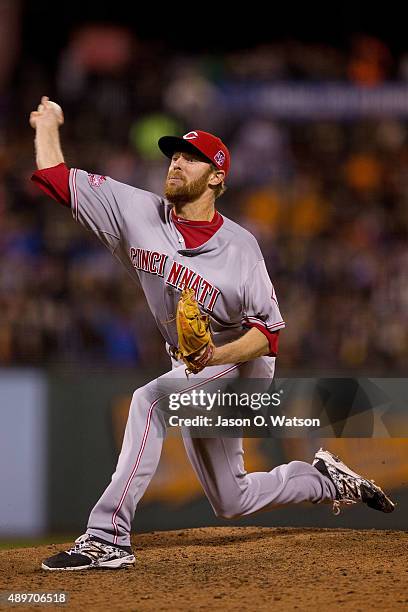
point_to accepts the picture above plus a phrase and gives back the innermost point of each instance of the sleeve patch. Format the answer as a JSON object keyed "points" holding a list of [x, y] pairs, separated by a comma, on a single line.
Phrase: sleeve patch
{"points": [[96, 180]]}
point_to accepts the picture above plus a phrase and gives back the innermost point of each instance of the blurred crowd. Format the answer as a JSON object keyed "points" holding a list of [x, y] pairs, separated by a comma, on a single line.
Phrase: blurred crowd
{"points": [[327, 201]]}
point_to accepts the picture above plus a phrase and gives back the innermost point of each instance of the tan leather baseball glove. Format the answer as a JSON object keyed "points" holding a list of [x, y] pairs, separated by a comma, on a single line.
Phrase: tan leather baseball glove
{"points": [[195, 345]]}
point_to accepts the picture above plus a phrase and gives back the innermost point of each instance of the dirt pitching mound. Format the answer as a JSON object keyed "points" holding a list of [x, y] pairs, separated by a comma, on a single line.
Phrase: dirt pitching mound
{"points": [[239, 568]]}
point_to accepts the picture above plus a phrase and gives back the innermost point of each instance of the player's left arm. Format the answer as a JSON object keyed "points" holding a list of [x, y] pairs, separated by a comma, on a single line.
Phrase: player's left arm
{"points": [[260, 313], [251, 345]]}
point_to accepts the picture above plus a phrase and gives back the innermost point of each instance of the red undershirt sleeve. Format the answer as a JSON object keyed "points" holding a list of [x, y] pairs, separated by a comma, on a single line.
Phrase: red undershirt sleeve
{"points": [[260, 306], [54, 182]]}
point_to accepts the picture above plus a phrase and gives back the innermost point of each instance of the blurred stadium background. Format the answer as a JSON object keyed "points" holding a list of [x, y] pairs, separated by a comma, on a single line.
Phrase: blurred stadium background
{"points": [[316, 122]]}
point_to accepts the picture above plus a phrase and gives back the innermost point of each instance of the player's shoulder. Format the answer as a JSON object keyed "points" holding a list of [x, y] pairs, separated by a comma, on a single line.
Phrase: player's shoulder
{"points": [[140, 204], [98, 182], [242, 238], [140, 201], [137, 193]]}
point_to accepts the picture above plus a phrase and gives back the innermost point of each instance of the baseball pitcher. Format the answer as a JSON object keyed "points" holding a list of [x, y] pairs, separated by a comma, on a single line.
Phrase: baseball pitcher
{"points": [[206, 284]]}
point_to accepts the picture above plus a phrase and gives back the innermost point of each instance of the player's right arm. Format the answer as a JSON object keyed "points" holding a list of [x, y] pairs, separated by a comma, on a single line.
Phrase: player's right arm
{"points": [[97, 202], [52, 176], [46, 121]]}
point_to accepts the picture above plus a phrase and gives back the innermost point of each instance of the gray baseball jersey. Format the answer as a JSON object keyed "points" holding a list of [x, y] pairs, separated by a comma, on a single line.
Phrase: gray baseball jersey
{"points": [[232, 285], [227, 272]]}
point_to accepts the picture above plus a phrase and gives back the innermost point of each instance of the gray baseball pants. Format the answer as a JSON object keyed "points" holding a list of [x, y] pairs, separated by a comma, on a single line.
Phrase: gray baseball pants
{"points": [[218, 462]]}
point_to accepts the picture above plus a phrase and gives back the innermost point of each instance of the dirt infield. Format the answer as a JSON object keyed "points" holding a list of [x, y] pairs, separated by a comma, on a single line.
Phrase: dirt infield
{"points": [[239, 568]]}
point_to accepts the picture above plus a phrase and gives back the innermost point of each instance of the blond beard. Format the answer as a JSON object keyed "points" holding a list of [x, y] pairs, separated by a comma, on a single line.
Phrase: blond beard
{"points": [[186, 192]]}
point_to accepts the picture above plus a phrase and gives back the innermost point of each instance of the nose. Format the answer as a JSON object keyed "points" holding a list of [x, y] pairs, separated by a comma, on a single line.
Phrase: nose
{"points": [[177, 162]]}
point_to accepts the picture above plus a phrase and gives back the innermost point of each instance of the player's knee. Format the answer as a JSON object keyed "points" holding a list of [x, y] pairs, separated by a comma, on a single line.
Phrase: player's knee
{"points": [[225, 514], [139, 398], [228, 510], [143, 400], [137, 395]]}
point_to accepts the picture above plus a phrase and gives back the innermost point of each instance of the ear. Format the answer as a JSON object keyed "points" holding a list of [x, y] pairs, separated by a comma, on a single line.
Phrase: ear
{"points": [[216, 177]]}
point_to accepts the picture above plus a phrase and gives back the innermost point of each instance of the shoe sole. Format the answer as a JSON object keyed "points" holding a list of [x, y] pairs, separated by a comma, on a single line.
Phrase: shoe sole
{"points": [[337, 463], [113, 564]]}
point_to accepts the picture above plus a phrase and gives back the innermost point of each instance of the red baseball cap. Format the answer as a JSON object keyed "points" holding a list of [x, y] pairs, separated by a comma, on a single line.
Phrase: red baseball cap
{"points": [[209, 145]]}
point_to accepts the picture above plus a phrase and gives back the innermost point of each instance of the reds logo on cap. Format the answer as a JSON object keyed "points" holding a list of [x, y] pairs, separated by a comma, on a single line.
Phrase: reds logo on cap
{"points": [[190, 136]]}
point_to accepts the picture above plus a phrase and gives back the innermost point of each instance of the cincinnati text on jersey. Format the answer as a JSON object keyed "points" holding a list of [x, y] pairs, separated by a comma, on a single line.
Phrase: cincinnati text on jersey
{"points": [[179, 276]]}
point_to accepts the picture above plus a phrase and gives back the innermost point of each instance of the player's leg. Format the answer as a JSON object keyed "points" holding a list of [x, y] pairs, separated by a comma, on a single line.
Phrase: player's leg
{"points": [[112, 515], [219, 465], [232, 492], [107, 540]]}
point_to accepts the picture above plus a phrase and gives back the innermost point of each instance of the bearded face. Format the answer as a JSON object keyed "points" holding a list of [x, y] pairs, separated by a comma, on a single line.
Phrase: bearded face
{"points": [[179, 189]]}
